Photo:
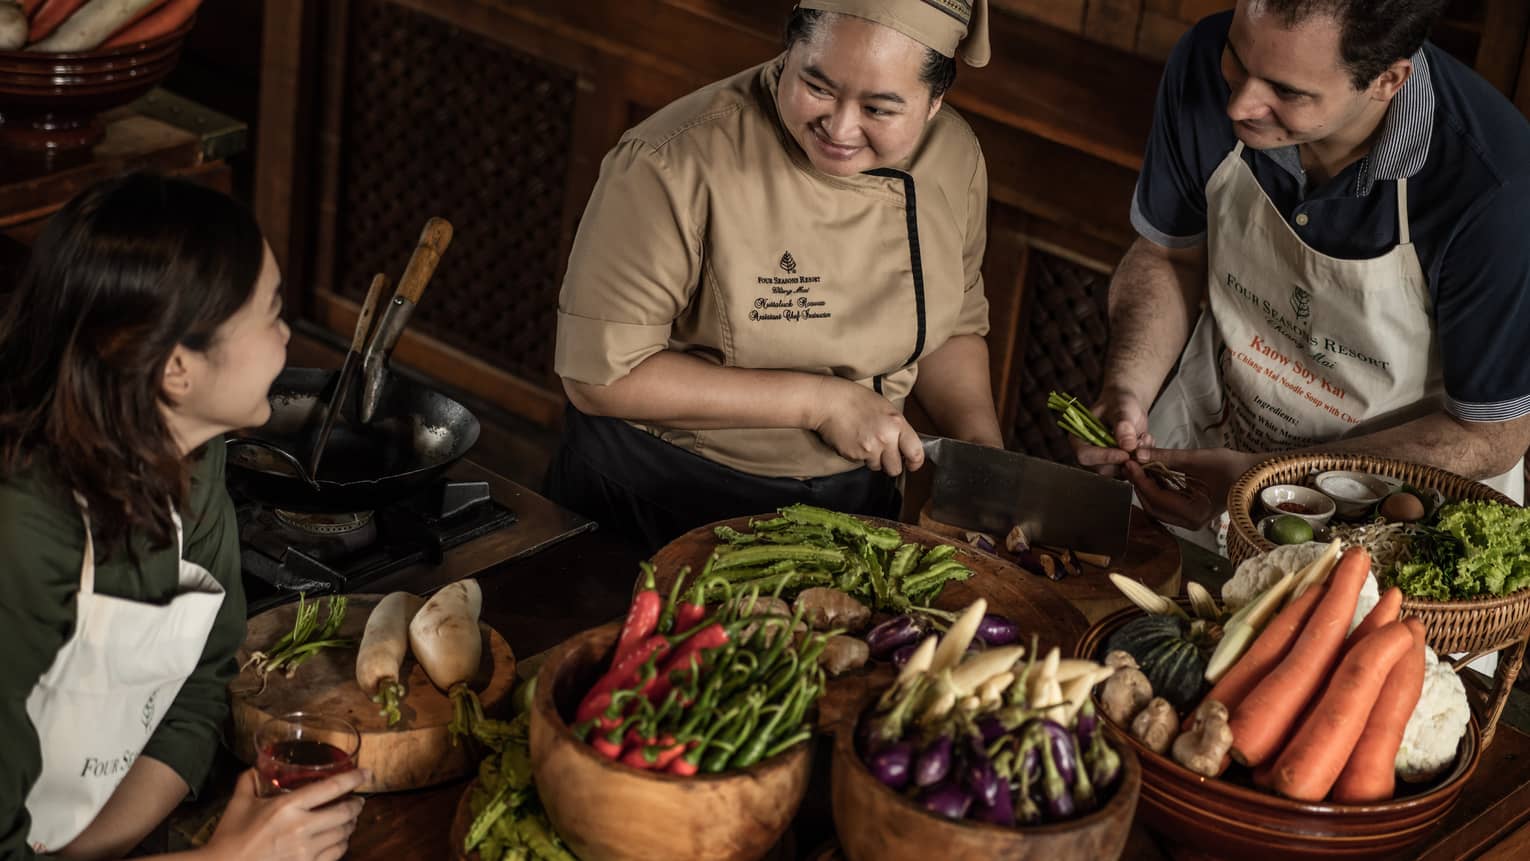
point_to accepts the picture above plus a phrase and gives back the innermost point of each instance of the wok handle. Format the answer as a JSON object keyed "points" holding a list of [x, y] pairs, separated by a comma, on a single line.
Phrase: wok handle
{"points": [[434, 239]]}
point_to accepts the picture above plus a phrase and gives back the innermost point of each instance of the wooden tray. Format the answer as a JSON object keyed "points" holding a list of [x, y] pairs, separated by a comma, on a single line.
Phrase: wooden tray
{"points": [[417, 752], [1152, 558], [1032, 602]]}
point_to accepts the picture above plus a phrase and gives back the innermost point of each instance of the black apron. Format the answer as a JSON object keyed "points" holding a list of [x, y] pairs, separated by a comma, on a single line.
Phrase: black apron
{"points": [[651, 492]]}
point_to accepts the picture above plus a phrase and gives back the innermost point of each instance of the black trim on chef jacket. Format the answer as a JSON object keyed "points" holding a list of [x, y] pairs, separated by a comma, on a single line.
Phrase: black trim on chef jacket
{"points": [[911, 214]]}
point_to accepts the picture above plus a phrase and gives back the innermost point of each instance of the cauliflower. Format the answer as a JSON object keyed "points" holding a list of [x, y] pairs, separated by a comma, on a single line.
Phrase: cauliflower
{"points": [[1257, 573], [1436, 725]]}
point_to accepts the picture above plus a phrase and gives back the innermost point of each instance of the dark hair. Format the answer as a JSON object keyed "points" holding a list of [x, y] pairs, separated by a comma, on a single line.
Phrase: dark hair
{"points": [[938, 71], [1373, 35], [122, 274]]}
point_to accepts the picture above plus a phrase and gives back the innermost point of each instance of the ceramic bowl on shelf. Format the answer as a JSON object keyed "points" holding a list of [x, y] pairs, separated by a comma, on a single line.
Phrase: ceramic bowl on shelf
{"points": [[1310, 505], [53, 101]]}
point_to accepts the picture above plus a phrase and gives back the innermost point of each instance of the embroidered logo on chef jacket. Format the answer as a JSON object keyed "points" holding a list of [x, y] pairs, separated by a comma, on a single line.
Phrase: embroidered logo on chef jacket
{"points": [[789, 297]]}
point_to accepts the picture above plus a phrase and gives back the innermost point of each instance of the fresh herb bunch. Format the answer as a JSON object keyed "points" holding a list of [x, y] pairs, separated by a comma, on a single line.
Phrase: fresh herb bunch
{"points": [[306, 639], [1079, 421]]}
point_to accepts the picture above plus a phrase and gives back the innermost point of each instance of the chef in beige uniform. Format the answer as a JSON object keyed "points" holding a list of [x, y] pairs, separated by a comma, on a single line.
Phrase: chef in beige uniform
{"points": [[769, 268]]}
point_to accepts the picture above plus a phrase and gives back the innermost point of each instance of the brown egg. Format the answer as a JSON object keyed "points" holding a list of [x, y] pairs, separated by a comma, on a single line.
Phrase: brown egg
{"points": [[1402, 507]]}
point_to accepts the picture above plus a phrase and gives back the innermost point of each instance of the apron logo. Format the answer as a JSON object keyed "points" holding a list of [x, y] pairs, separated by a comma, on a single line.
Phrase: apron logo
{"points": [[148, 712], [1301, 303], [787, 264]]}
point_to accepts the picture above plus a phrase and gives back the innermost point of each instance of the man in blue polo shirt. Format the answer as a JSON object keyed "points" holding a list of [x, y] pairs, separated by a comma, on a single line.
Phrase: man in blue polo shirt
{"points": [[1333, 245]]}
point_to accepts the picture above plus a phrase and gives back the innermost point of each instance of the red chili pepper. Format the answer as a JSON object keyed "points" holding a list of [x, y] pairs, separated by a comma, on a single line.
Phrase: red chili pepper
{"points": [[668, 755], [605, 747], [691, 611], [642, 617], [682, 765], [622, 675], [685, 658], [633, 755]]}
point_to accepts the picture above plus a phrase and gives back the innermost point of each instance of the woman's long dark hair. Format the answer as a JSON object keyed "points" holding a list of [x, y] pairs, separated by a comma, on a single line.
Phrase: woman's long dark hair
{"points": [[121, 275]]}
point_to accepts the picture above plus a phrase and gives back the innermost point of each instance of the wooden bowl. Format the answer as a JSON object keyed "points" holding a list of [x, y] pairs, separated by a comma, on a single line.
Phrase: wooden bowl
{"points": [[606, 810], [875, 823], [52, 101], [1226, 819]]}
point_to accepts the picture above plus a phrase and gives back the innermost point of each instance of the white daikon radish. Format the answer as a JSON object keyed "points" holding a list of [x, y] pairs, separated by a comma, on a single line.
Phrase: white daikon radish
{"points": [[13, 26], [445, 640], [383, 646]]}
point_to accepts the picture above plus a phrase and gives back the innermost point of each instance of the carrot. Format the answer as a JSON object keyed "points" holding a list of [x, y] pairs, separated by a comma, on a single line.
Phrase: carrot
{"points": [[1307, 768], [1267, 651], [49, 15], [89, 25], [29, 6], [1268, 713], [1371, 773], [1384, 613], [154, 23]]}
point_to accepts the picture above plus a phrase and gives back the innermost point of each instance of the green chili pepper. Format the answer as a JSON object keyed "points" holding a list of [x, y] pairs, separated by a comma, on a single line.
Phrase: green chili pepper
{"points": [[667, 617], [745, 557]]}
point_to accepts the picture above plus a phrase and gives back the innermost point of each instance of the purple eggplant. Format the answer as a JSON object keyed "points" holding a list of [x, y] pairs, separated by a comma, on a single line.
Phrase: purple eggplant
{"points": [[1056, 796], [1027, 783], [1001, 812], [981, 778], [892, 635], [1085, 725], [901, 656], [1104, 765], [1084, 799], [996, 630], [1063, 749], [947, 799], [934, 762], [991, 729], [892, 764]]}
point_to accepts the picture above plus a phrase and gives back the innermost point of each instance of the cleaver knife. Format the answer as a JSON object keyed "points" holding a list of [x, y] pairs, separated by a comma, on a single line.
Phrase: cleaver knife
{"points": [[992, 490]]}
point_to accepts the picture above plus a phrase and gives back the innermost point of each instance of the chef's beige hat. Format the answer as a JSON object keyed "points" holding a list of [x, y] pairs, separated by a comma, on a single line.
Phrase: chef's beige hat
{"points": [[943, 25]]}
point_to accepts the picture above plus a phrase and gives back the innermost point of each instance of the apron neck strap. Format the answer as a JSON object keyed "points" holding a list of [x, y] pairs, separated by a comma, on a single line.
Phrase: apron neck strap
{"points": [[1403, 236], [88, 561], [180, 535]]}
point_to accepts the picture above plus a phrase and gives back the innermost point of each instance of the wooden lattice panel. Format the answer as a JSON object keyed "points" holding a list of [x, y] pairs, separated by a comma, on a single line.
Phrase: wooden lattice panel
{"points": [[439, 121], [1064, 344]]}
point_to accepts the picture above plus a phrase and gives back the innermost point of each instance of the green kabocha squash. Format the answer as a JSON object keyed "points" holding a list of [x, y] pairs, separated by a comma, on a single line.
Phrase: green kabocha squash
{"points": [[1170, 651]]}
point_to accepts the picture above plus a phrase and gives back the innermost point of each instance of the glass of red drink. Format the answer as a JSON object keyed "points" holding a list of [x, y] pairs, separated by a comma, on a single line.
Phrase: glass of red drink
{"points": [[298, 748]]}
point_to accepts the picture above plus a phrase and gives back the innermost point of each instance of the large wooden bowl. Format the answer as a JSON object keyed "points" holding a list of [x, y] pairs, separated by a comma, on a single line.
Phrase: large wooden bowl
{"points": [[607, 811], [875, 823], [1225, 818], [51, 101]]}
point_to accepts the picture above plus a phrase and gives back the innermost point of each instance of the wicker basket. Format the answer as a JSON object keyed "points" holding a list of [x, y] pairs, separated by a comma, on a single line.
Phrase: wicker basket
{"points": [[1473, 627]]}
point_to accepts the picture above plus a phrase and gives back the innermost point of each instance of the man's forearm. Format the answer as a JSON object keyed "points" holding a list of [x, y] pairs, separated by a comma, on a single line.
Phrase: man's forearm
{"points": [[1155, 297], [1476, 450], [681, 391], [955, 388]]}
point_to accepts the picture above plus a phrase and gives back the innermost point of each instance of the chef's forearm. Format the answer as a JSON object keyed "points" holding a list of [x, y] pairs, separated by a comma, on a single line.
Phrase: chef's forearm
{"points": [[1155, 297], [1476, 450], [681, 391], [143, 799], [954, 386]]}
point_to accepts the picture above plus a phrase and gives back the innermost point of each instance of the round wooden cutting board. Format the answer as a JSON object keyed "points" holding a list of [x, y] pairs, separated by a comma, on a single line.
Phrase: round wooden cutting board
{"points": [[1032, 602], [418, 751], [1152, 558]]}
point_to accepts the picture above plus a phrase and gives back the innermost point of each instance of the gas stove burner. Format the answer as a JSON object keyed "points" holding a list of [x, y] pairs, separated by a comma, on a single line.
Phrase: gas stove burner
{"points": [[325, 524]]}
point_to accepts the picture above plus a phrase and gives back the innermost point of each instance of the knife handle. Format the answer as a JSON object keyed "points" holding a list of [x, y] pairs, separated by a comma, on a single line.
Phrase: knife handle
{"points": [[434, 240]]}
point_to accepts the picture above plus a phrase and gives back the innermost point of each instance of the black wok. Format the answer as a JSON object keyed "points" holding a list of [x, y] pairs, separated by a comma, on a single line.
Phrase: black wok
{"points": [[415, 436]]}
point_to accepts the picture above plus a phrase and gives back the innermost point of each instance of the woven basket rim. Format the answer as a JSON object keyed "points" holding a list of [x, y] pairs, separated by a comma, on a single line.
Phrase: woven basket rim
{"points": [[1240, 504]]}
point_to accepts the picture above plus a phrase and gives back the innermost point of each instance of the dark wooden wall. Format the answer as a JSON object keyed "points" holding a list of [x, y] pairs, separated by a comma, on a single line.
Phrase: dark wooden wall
{"points": [[376, 114]]}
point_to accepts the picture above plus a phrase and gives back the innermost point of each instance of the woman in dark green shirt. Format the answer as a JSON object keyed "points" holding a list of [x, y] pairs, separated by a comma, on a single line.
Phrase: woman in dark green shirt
{"points": [[146, 325]]}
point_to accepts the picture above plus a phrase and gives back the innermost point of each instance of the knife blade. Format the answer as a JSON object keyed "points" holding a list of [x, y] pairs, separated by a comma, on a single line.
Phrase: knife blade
{"points": [[434, 239], [993, 490]]}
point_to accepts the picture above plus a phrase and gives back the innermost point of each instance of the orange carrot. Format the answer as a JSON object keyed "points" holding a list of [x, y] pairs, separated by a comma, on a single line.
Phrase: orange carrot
{"points": [[1371, 773], [1383, 614], [1267, 650], [49, 15], [1309, 765], [1267, 715], [159, 20]]}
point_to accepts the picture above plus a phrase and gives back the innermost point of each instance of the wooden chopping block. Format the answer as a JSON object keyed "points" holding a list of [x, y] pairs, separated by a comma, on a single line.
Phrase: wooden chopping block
{"points": [[1152, 558], [417, 751]]}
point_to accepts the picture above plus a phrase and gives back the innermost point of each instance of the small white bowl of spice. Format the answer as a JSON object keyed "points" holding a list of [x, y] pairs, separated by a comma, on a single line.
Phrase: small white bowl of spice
{"points": [[1304, 502], [1354, 493]]}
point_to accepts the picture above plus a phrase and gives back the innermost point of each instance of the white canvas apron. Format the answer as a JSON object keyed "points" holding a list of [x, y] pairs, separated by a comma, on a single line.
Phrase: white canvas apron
{"points": [[1299, 348], [108, 688]]}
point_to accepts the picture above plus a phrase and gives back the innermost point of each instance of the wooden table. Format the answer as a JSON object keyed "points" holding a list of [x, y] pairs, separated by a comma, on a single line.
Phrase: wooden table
{"points": [[539, 601]]}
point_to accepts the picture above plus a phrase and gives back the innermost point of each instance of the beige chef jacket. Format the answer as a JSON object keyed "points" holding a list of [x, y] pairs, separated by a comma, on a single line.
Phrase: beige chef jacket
{"points": [[710, 233]]}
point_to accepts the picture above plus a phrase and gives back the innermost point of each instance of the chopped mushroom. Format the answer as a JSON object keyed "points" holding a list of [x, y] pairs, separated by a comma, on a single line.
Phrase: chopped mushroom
{"points": [[1204, 748], [1156, 725]]}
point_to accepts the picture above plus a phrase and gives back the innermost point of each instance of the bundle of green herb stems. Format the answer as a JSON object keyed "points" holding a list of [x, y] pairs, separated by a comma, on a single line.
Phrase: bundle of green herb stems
{"points": [[1078, 420], [305, 639]]}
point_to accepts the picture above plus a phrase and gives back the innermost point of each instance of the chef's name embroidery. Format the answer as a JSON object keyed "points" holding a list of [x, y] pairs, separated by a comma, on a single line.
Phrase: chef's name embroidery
{"points": [[790, 296], [108, 767]]}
